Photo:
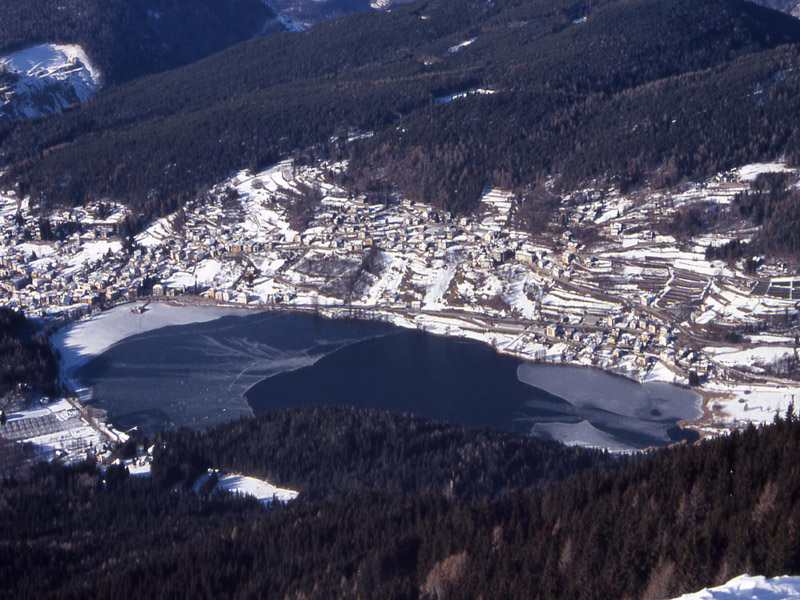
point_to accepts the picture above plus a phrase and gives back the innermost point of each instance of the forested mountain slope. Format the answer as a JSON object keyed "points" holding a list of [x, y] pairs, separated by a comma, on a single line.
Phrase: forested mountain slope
{"points": [[135, 37], [673, 521], [624, 90]]}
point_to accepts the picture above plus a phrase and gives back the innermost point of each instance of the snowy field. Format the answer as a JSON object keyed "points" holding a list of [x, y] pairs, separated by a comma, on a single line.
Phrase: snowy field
{"points": [[233, 483], [738, 404], [757, 355], [261, 490]]}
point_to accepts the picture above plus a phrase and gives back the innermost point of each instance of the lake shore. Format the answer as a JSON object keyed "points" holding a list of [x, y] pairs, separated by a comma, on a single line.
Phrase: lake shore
{"points": [[85, 339]]}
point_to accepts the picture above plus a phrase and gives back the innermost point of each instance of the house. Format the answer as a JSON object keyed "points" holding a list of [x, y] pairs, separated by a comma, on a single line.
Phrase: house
{"points": [[525, 256], [554, 330]]}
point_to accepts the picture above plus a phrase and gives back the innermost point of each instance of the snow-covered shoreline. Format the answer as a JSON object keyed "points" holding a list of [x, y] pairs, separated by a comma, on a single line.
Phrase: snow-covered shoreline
{"points": [[605, 306], [84, 339]]}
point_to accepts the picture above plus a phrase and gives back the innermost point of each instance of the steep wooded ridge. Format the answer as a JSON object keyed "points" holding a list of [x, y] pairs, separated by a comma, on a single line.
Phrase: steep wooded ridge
{"points": [[639, 88], [137, 37], [656, 526]]}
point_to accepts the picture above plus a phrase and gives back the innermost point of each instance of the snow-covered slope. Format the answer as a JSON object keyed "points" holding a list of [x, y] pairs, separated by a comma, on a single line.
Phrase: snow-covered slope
{"points": [[44, 79], [747, 587]]}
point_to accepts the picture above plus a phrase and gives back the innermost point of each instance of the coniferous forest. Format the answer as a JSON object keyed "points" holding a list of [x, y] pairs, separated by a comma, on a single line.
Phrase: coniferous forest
{"points": [[649, 526], [25, 354]]}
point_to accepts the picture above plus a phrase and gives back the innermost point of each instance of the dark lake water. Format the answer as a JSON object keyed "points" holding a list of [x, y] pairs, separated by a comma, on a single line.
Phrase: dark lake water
{"points": [[206, 373]]}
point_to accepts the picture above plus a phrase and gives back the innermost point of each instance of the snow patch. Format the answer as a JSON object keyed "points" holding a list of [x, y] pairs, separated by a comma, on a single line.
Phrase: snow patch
{"points": [[457, 47], [750, 172], [261, 490], [464, 94], [751, 587]]}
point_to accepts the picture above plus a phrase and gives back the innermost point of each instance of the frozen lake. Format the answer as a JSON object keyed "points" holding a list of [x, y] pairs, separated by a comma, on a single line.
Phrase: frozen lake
{"points": [[238, 363]]}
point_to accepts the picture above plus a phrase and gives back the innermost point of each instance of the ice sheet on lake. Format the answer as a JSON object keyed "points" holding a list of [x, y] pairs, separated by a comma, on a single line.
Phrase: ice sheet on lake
{"points": [[604, 410], [195, 375], [84, 339], [592, 388], [579, 434]]}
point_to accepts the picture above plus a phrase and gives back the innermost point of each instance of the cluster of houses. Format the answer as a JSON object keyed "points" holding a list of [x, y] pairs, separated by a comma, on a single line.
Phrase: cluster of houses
{"points": [[87, 268], [628, 335]]}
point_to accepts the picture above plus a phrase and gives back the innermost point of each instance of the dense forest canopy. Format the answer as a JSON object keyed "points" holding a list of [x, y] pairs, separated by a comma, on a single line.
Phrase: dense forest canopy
{"points": [[653, 526], [640, 89], [25, 354], [326, 452]]}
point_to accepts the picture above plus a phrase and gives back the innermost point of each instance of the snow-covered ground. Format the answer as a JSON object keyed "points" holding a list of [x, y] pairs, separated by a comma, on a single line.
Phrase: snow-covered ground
{"points": [[44, 79], [233, 483], [751, 587], [750, 172], [735, 405], [261, 490]]}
